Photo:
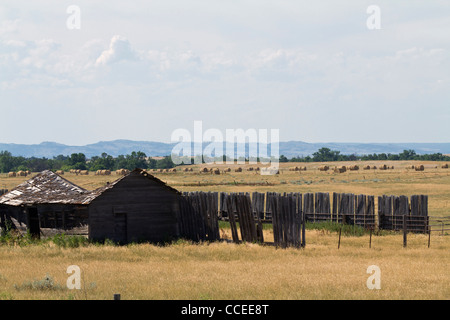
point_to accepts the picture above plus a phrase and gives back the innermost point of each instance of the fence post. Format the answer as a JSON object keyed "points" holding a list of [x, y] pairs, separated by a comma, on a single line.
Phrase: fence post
{"points": [[404, 231], [339, 241], [303, 228]]}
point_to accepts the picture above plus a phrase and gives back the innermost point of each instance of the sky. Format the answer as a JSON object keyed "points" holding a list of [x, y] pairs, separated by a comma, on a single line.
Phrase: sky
{"points": [[319, 71]]}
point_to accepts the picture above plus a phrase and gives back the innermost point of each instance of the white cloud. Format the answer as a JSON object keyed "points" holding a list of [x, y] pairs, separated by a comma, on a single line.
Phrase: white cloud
{"points": [[246, 65], [119, 49], [9, 26]]}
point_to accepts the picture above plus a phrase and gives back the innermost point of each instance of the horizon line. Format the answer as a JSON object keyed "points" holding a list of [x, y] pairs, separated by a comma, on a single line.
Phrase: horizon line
{"points": [[222, 141]]}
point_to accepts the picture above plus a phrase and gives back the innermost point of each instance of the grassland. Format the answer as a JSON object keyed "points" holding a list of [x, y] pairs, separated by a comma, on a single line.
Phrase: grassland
{"points": [[229, 271], [250, 271]]}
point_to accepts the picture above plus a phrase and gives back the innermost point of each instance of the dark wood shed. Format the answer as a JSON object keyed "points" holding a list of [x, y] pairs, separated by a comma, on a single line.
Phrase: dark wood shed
{"points": [[135, 207]]}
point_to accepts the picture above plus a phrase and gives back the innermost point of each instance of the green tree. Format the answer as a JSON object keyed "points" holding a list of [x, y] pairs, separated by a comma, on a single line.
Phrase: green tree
{"points": [[105, 162], [407, 155], [326, 154], [165, 163], [136, 160], [6, 161]]}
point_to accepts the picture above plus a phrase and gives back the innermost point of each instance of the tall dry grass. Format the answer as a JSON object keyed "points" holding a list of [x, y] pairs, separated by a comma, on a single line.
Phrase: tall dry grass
{"points": [[235, 271]]}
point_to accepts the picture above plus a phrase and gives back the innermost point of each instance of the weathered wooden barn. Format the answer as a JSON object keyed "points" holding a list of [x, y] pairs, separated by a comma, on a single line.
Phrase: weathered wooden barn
{"points": [[135, 207], [44, 205]]}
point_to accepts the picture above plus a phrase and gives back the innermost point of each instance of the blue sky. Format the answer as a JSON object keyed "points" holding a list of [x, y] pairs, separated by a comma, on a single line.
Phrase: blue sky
{"points": [[142, 69]]}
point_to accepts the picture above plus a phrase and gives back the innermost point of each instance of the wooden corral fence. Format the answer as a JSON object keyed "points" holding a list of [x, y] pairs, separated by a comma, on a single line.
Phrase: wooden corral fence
{"points": [[288, 220], [288, 213], [199, 218], [439, 225], [395, 211], [200, 212], [354, 209]]}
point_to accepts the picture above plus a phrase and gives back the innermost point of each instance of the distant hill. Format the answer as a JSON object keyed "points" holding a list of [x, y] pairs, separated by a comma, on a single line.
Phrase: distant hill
{"points": [[151, 148]]}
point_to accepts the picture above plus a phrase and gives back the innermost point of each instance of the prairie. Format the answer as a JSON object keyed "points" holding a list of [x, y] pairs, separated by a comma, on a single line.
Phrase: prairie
{"points": [[229, 271], [223, 270]]}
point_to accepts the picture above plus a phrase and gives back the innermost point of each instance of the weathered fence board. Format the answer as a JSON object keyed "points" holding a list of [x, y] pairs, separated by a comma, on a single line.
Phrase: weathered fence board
{"points": [[198, 218], [200, 211], [287, 220], [230, 205], [393, 209]]}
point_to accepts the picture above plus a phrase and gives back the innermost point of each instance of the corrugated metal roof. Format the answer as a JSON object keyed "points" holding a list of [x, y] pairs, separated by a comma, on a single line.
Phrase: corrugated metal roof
{"points": [[49, 188]]}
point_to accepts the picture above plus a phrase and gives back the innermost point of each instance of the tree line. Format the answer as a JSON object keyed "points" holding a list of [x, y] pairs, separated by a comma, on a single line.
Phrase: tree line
{"points": [[328, 155], [138, 159]]}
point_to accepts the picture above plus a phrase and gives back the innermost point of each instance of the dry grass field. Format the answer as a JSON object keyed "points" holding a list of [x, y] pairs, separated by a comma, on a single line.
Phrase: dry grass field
{"points": [[250, 271], [230, 271]]}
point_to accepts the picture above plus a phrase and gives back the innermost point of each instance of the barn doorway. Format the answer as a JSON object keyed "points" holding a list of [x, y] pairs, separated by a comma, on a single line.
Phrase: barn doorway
{"points": [[33, 223], [120, 227]]}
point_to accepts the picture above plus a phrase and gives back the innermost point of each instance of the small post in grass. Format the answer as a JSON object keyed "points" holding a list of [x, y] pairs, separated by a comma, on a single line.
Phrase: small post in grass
{"points": [[339, 241], [116, 296], [303, 230], [370, 239], [404, 231]]}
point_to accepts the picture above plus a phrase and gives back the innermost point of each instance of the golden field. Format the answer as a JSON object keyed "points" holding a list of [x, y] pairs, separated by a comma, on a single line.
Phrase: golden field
{"points": [[230, 271], [251, 271]]}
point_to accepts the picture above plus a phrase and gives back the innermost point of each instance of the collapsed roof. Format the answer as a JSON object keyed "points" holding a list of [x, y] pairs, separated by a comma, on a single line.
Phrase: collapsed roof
{"points": [[46, 187]]}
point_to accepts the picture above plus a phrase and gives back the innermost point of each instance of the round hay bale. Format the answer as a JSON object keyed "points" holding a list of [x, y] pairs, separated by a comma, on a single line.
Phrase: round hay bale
{"points": [[21, 173], [420, 167], [340, 169]]}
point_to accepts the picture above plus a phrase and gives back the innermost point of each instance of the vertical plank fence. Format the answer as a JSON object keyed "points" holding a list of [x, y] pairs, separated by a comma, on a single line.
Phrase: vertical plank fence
{"points": [[199, 216], [288, 213], [287, 220]]}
